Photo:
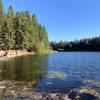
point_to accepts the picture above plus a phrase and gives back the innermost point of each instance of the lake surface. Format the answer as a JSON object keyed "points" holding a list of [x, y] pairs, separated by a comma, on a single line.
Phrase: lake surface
{"points": [[58, 72]]}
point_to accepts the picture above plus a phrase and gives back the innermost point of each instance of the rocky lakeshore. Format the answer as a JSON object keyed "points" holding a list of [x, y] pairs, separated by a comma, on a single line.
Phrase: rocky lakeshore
{"points": [[24, 91], [14, 53]]}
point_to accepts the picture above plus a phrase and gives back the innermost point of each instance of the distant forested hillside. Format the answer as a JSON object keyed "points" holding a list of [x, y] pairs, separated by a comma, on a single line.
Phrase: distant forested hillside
{"points": [[89, 44], [19, 31]]}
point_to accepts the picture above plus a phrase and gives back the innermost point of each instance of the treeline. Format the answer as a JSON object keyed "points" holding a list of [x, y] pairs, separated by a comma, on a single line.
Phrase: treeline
{"points": [[19, 31], [89, 44]]}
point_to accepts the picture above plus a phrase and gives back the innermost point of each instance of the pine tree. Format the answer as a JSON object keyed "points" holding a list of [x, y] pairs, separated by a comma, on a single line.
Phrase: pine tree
{"points": [[1, 23], [10, 28], [21, 31], [18, 32]]}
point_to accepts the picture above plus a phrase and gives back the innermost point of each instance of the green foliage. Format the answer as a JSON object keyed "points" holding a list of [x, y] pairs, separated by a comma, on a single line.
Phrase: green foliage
{"points": [[1, 23], [21, 31], [57, 75]]}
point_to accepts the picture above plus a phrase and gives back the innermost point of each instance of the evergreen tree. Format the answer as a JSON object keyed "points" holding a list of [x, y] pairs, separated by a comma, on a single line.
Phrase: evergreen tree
{"points": [[10, 29], [89, 44], [18, 31], [1, 23], [21, 31]]}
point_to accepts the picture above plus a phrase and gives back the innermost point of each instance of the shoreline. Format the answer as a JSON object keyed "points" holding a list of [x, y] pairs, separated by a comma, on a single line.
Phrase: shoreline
{"points": [[14, 53], [18, 53]]}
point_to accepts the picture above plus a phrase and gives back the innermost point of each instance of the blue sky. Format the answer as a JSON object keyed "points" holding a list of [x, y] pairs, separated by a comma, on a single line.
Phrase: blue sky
{"points": [[63, 19]]}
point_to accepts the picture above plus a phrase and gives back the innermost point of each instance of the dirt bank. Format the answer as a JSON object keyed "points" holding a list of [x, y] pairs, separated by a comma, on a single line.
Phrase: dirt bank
{"points": [[14, 53]]}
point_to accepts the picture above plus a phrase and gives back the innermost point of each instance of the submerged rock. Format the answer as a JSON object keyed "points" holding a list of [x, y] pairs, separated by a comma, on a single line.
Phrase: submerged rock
{"points": [[92, 83], [2, 87], [73, 94], [87, 96], [65, 97], [24, 91], [87, 93], [37, 96], [57, 75]]}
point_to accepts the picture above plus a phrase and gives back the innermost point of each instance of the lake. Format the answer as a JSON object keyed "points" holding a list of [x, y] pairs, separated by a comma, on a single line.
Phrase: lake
{"points": [[57, 72]]}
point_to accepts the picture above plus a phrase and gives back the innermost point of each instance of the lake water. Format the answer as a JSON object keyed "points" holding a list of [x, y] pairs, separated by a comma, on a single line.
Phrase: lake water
{"points": [[58, 72]]}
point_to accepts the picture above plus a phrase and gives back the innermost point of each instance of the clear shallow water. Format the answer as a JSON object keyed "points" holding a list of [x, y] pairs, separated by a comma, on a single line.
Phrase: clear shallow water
{"points": [[58, 72]]}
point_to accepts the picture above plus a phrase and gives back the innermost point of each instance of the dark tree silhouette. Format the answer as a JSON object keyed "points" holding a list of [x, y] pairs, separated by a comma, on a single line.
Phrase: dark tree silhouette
{"points": [[89, 44]]}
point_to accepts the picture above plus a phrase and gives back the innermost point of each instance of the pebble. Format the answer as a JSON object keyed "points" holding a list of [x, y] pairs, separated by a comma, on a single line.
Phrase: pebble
{"points": [[24, 92], [2, 87]]}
